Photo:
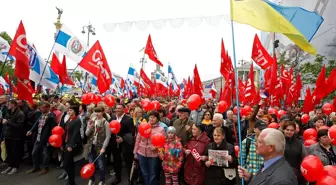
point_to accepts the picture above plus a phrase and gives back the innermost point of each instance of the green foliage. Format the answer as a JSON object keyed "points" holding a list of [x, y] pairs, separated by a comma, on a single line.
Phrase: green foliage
{"points": [[78, 75], [6, 37], [311, 70]]}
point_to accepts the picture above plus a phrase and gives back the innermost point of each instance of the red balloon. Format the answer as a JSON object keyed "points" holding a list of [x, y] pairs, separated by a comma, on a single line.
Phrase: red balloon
{"points": [[115, 126], [332, 134], [247, 110], [98, 98], [305, 118], [194, 101], [87, 171], [109, 100], [326, 180], [328, 108], [323, 127], [85, 99], [58, 130], [147, 105], [55, 140], [236, 148], [312, 168], [330, 171], [158, 140], [272, 111], [281, 113], [145, 129], [274, 125], [222, 106], [235, 110], [91, 97], [156, 105], [310, 134], [184, 102], [309, 142]]}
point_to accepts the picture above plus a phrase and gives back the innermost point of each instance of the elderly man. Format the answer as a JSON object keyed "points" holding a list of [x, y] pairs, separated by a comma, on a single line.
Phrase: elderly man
{"points": [[275, 170], [218, 121], [183, 125]]}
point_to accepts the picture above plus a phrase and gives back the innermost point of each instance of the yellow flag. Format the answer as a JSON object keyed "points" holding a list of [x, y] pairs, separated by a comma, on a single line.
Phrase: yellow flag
{"points": [[261, 16]]}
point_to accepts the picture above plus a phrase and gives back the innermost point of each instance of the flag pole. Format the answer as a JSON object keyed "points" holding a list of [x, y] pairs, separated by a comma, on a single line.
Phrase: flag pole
{"points": [[236, 84], [48, 60]]}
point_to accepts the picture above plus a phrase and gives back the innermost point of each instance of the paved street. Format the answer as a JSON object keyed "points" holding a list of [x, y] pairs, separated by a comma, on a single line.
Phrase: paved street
{"points": [[21, 178]]}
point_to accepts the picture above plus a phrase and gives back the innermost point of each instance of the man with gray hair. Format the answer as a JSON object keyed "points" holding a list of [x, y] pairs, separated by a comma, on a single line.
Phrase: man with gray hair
{"points": [[275, 170]]}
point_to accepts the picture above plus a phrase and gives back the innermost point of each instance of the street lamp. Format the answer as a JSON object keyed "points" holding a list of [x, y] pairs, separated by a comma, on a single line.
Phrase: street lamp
{"points": [[89, 29], [242, 63]]}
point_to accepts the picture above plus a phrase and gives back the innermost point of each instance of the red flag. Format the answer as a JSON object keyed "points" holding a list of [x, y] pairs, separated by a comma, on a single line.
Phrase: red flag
{"points": [[226, 65], [259, 54], [150, 51], [24, 90], [298, 88], [122, 83], [308, 102], [250, 91], [95, 62], [320, 91], [18, 49], [55, 64], [274, 75], [145, 78], [198, 87], [63, 74], [331, 82]]}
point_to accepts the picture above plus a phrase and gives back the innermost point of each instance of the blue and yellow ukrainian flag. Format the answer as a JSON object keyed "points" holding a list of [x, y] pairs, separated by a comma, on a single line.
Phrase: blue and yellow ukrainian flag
{"points": [[262, 16]]}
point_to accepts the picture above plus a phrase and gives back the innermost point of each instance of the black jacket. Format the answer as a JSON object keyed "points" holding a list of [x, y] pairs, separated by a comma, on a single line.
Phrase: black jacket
{"points": [[228, 134], [49, 124], [14, 127], [127, 127], [73, 133]]}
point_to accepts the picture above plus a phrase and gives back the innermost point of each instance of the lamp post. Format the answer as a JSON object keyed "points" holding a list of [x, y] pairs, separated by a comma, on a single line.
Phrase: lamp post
{"points": [[242, 63], [89, 29]]}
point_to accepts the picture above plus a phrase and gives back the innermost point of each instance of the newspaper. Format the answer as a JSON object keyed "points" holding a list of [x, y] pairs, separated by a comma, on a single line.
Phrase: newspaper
{"points": [[217, 157]]}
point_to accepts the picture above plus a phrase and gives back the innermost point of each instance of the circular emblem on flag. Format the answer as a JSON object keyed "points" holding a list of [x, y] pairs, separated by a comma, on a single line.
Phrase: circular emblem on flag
{"points": [[76, 47]]}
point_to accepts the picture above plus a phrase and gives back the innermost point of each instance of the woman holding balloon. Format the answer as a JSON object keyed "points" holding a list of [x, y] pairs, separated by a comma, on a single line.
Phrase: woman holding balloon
{"points": [[99, 134], [145, 151]]}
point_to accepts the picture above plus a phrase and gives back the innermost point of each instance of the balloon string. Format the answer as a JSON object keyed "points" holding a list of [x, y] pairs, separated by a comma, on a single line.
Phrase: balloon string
{"points": [[96, 158]]}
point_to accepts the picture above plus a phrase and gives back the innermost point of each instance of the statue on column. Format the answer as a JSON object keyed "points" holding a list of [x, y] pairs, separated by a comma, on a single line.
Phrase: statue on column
{"points": [[58, 24]]}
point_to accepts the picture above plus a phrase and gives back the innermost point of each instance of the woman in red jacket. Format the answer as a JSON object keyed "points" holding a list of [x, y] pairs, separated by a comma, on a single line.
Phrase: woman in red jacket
{"points": [[194, 167]]}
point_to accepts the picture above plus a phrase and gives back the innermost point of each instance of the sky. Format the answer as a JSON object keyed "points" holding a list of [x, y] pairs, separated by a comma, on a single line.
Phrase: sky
{"points": [[181, 47]]}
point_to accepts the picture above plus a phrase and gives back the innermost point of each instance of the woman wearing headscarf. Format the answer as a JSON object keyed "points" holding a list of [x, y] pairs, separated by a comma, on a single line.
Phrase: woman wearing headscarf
{"points": [[214, 173], [194, 168]]}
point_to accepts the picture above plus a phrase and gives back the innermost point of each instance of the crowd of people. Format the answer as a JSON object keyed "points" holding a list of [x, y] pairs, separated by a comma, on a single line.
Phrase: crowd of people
{"points": [[199, 147]]}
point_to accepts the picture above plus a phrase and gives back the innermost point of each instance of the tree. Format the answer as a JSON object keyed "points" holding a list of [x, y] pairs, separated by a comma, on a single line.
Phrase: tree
{"points": [[292, 56], [310, 70], [78, 75], [6, 37]]}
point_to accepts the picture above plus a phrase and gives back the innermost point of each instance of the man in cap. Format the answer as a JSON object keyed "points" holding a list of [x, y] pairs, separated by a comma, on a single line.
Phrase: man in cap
{"points": [[251, 160], [183, 125]]}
